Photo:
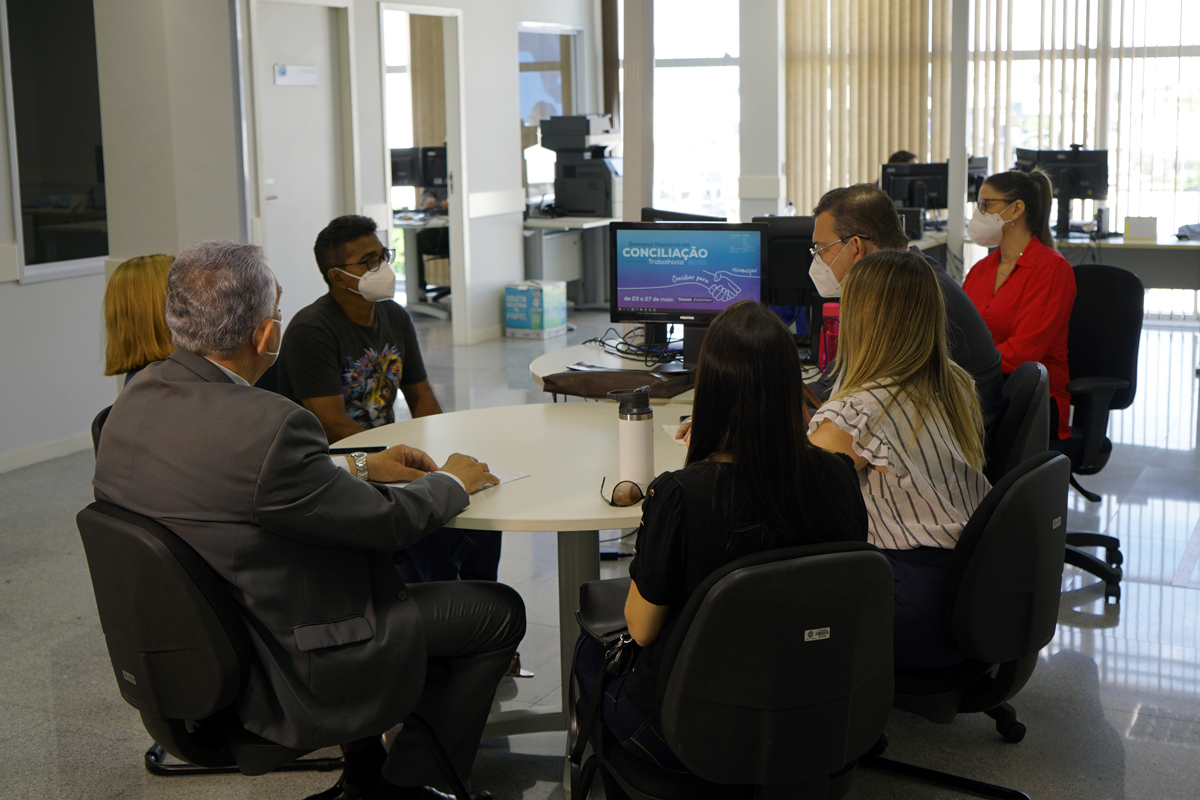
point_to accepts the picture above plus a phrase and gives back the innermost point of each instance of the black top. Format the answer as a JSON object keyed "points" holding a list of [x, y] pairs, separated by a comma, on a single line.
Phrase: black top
{"points": [[679, 545], [971, 347], [324, 354]]}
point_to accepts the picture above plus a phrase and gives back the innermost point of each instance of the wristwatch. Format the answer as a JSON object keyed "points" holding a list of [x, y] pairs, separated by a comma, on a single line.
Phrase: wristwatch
{"points": [[360, 465]]}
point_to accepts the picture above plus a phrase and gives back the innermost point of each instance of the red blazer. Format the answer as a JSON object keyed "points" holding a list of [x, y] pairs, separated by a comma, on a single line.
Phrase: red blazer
{"points": [[1028, 316]]}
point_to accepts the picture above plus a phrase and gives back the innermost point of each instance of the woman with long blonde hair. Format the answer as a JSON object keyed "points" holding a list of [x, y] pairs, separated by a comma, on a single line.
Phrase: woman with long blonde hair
{"points": [[910, 419], [135, 315]]}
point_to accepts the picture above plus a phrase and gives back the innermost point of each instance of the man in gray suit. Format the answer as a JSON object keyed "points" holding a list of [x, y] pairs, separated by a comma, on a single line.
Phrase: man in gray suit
{"points": [[344, 650]]}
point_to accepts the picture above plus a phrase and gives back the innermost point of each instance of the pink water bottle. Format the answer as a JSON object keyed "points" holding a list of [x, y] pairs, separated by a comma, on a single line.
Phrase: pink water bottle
{"points": [[827, 344]]}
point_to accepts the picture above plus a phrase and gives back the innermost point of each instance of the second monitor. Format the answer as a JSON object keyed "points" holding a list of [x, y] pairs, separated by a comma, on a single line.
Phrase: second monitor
{"points": [[682, 273]]}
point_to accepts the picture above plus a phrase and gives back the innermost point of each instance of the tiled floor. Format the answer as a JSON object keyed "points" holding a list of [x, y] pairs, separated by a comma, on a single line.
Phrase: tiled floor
{"points": [[1113, 711]]}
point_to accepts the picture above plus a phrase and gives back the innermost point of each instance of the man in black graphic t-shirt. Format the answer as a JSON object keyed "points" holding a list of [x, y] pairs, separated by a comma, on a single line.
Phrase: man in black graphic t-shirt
{"points": [[348, 356]]}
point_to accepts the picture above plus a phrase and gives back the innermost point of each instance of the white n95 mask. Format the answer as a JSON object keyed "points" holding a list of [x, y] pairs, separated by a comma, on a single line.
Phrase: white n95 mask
{"points": [[823, 278], [375, 286], [986, 230]]}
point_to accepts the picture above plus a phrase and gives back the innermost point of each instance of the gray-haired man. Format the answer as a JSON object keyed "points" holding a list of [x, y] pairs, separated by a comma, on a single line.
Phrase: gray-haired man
{"points": [[245, 477]]}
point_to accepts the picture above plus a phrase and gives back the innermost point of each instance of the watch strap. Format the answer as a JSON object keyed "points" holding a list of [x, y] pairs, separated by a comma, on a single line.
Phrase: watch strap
{"points": [[360, 465]]}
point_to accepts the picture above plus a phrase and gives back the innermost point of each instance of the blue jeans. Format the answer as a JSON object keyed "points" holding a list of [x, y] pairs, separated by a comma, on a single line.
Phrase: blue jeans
{"points": [[624, 722], [450, 553]]}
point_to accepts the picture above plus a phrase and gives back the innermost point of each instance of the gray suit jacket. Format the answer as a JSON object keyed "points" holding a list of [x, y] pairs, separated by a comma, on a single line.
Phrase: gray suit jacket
{"points": [[244, 476]]}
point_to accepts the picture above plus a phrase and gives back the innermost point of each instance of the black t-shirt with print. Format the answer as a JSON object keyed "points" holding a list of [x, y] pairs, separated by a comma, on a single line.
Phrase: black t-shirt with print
{"points": [[324, 354]]}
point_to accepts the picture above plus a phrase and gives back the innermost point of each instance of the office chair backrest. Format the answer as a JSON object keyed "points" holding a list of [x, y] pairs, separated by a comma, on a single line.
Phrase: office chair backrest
{"points": [[1024, 429], [780, 667], [98, 426], [1001, 592], [1106, 327], [178, 646]]}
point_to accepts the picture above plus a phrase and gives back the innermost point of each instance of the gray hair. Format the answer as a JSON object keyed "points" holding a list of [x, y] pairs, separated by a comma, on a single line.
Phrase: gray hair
{"points": [[217, 294]]}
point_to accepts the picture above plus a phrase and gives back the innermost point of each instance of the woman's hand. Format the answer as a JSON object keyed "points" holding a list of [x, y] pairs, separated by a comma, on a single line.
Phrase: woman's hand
{"points": [[685, 430]]}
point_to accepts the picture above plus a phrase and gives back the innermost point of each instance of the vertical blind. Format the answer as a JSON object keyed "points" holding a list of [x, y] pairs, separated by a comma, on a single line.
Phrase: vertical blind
{"points": [[865, 78]]}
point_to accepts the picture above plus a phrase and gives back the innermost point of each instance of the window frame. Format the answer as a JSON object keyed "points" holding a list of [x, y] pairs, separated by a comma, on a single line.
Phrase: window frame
{"points": [[50, 270]]}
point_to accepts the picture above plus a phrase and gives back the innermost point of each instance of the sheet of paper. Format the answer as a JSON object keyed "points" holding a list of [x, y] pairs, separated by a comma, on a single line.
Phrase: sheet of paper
{"points": [[505, 476], [671, 429]]}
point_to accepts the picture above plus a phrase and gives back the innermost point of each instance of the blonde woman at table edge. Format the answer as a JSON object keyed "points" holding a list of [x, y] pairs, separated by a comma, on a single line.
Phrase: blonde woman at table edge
{"points": [[910, 418], [751, 482]]}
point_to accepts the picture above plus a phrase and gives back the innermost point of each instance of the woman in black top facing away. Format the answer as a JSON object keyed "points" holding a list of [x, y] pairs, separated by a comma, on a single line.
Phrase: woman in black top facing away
{"points": [[752, 482]]}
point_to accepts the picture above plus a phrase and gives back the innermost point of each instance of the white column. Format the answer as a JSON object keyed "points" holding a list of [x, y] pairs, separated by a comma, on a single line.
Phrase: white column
{"points": [[638, 179], [762, 188], [956, 192]]}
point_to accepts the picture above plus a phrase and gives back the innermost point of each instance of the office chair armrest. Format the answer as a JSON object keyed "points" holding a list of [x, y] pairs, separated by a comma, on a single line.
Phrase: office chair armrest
{"points": [[1092, 398], [602, 607]]}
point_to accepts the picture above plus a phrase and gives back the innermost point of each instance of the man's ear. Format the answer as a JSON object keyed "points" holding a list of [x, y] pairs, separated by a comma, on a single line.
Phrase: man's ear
{"points": [[336, 278], [262, 335]]}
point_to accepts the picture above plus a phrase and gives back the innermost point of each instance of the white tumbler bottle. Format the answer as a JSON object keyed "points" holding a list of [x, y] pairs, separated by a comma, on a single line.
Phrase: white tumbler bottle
{"points": [[635, 435]]}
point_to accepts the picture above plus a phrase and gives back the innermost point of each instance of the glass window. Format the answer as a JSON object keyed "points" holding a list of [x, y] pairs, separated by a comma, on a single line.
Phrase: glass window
{"points": [[697, 107], [398, 97], [56, 104], [546, 75]]}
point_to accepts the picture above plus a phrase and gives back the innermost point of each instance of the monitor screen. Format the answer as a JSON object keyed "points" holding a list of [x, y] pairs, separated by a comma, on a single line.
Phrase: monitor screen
{"points": [[977, 172], [1077, 174], [785, 279], [433, 166], [916, 185], [406, 166], [682, 272]]}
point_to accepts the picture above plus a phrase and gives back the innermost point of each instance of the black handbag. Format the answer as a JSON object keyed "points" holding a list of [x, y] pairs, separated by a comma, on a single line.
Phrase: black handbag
{"points": [[601, 616]]}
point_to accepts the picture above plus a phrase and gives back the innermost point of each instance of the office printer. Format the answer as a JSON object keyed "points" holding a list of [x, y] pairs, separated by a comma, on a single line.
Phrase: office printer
{"points": [[587, 182]]}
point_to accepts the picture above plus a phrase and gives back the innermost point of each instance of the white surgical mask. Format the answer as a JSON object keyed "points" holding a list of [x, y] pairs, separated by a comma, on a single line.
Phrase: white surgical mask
{"points": [[375, 286], [986, 230], [280, 324], [823, 278]]}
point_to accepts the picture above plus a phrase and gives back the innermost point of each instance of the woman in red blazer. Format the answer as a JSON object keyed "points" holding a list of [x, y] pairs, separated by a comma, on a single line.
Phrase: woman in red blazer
{"points": [[1024, 289]]}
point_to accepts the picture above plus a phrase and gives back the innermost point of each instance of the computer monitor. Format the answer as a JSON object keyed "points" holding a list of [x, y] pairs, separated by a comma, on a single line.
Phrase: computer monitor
{"points": [[1076, 174], [406, 166], [785, 278], [433, 166], [682, 273], [419, 166], [916, 185], [977, 172], [659, 215]]}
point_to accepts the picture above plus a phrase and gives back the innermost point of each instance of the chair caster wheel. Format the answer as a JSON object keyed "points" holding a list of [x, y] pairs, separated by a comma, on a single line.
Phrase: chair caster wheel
{"points": [[1112, 591], [1012, 732], [1114, 557]]}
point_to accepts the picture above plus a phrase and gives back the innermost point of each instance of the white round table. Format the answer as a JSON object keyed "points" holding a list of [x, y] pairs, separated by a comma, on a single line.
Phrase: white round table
{"points": [[567, 448], [558, 360]]}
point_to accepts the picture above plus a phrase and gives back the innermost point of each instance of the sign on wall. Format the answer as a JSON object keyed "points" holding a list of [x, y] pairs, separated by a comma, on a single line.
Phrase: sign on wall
{"points": [[295, 75]]}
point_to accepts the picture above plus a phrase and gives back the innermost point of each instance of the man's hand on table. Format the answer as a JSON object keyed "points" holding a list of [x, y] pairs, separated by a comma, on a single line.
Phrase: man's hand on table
{"points": [[400, 463], [472, 472]]}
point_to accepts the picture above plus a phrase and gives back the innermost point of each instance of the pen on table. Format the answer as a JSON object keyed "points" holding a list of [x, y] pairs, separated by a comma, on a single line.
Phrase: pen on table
{"points": [[345, 451]]}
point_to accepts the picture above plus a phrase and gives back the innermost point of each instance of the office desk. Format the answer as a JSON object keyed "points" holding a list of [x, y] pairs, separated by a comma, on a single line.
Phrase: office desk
{"points": [[545, 238], [1164, 264], [557, 361], [566, 448], [414, 292]]}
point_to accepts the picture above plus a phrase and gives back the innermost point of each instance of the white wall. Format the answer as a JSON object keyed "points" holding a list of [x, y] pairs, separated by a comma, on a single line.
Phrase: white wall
{"points": [[171, 160]]}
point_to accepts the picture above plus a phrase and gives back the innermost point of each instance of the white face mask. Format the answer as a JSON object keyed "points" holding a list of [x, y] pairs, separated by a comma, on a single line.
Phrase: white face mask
{"points": [[375, 286], [823, 278], [986, 230], [280, 324]]}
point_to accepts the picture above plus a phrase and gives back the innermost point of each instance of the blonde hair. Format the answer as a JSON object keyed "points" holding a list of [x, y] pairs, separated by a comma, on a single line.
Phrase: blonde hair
{"points": [[134, 314], [893, 335]]}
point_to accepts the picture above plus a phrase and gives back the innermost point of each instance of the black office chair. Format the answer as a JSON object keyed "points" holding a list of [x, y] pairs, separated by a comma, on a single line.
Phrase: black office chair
{"points": [[1024, 429], [97, 426], [778, 676], [1000, 606], [1102, 344], [181, 654]]}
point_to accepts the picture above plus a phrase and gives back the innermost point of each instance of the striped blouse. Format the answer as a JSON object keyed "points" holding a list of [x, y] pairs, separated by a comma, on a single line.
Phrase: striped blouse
{"points": [[929, 491]]}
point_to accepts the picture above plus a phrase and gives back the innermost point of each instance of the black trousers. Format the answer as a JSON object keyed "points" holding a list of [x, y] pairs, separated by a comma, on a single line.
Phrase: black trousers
{"points": [[472, 629]]}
